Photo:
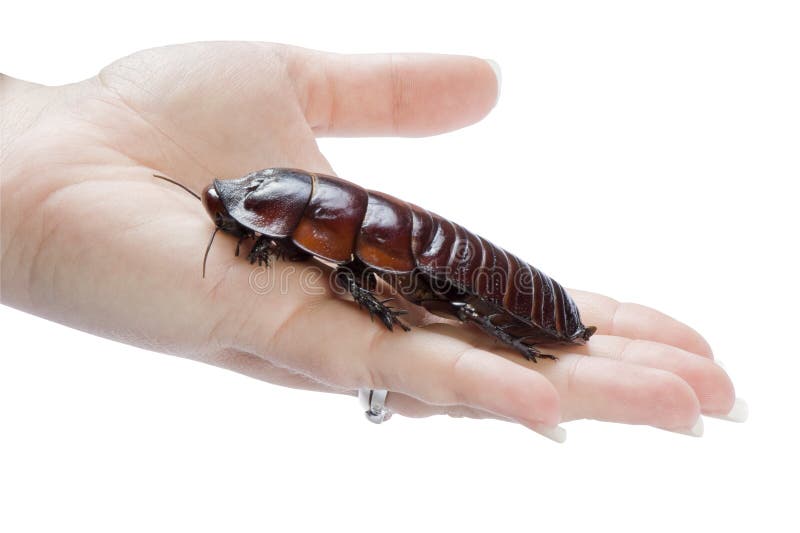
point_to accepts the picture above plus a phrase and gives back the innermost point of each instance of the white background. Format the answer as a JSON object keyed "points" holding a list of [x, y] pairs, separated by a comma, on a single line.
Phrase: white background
{"points": [[645, 150]]}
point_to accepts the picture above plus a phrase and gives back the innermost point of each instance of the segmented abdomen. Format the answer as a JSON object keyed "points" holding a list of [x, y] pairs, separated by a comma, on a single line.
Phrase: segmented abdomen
{"points": [[450, 252]]}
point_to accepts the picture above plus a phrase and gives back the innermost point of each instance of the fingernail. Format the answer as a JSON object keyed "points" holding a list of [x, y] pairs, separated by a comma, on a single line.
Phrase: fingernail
{"points": [[554, 433], [719, 364], [738, 413], [695, 431], [497, 74]]}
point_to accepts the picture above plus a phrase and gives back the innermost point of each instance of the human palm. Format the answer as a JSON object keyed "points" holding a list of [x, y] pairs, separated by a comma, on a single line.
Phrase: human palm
{"points": [[92, 240]]}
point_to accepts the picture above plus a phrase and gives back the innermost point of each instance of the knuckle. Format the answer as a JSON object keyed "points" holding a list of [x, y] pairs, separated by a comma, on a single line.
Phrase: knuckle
{"points": [[398, 92], [374, 374], [629, 349], [457, 377], [571, 379]]}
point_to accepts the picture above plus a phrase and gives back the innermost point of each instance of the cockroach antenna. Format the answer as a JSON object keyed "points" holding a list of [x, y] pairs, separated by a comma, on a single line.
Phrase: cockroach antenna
{"points": [[208, 248], [187, 189], [181, 185]]}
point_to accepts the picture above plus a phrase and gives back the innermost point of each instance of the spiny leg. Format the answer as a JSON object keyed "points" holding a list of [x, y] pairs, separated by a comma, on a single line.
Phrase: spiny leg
{"points": [[261, 251], [530, 352], [465, 311], [264, 247], [361, 289], [286, 250]]}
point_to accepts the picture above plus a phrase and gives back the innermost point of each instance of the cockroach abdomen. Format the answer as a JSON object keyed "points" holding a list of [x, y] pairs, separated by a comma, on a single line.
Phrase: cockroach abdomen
{"points": [[385, 239]]}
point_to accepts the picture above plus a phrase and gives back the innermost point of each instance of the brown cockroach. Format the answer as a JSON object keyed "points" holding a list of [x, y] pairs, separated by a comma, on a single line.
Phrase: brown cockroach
{"points": [[427, 259]]}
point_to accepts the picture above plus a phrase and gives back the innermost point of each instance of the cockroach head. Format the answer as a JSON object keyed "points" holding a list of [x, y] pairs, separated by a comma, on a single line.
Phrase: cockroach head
{"points": [[217, 211]]}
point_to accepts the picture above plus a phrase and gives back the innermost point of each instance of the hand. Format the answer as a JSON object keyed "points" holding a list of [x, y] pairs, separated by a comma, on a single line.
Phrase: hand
{"points": [[92, 240]]}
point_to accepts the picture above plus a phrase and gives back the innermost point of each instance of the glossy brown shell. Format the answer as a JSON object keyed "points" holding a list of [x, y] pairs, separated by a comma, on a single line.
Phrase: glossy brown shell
{"points": [[341, 222], [270, 201], [332, 219]]}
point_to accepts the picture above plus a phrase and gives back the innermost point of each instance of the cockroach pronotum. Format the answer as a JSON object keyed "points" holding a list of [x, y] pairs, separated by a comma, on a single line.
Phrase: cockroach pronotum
{"points": [[427, 259]]}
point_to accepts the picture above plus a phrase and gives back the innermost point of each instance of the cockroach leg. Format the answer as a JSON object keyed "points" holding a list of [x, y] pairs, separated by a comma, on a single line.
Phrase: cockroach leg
{"points": [[365, 298], [465, 311], [531, 353], [283, 249], [261, 251], [239, 243]]}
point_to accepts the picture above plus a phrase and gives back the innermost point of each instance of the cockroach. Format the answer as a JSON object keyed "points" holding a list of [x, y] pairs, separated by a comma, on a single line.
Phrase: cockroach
{"points": [[427, 259]]}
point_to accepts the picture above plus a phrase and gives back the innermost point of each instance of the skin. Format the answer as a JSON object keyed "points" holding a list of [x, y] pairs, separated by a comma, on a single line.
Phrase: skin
{"points": [[91, 240]]}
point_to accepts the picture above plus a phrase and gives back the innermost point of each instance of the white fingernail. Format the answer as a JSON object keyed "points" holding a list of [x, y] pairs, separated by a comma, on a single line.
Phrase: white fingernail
{"points": [[719, 364], [695, 431], [497, 74], [738, 413], [554, 433]]}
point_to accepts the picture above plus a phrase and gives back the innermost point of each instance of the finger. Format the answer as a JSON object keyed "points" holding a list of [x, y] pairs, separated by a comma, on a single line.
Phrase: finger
{"points": [[712, 386], [332, 339], [412, 407], [403, 404], [264, 370], [614, 391], [637, 322], [392, 94]]}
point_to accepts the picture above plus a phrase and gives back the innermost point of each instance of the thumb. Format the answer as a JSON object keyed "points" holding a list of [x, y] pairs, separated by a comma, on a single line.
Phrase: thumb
{"points": [[393, 94]]}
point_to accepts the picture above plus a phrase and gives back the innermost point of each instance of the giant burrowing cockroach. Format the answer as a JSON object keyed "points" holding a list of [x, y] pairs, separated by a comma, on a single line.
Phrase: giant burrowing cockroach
{"points": [[426, 258]]}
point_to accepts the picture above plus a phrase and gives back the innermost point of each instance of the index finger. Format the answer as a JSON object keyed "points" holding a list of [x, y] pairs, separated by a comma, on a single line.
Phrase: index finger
{"points": [[636, 321]]}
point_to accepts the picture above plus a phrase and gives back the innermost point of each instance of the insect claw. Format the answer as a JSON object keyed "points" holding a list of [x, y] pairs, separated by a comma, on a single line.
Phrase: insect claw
{"points": [[400, 323]]}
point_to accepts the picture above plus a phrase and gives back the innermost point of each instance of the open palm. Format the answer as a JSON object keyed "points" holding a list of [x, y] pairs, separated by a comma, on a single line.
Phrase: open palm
{"points": [[92, 240]]}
